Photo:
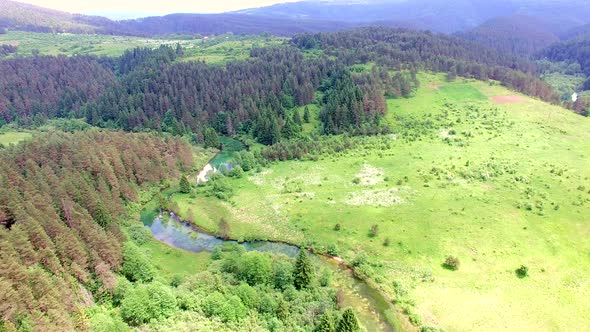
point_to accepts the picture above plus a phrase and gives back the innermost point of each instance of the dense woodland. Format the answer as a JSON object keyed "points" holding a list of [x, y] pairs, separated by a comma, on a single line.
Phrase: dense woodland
{"points": [[149, 88], [405, 49], [61, 195], [519, 35]]}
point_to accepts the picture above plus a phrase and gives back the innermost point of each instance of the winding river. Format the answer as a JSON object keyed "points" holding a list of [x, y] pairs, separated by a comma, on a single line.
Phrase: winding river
{"points": [[374, 312]]}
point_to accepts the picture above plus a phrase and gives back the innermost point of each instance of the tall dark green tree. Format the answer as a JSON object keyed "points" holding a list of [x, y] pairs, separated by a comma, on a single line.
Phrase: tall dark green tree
{"points": [[185, 186], [210, 138], [306, 115], [326, 324], [297, 118], [304, 273], [348, 322]]}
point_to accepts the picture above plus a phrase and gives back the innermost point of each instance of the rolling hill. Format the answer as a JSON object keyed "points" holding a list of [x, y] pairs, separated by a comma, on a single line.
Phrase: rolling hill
{"points": [[518, 34]]}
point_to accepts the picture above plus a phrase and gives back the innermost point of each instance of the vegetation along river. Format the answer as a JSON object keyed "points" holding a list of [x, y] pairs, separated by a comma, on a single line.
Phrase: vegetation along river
{"points": [[373, 311]]}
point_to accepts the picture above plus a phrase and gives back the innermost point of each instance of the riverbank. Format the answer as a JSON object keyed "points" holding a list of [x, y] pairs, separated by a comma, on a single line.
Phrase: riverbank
{"points": [[360, 292]]}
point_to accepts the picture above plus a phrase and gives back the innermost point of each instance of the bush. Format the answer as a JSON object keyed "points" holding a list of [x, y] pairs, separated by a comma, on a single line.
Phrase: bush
{"points": [[136, 267], [374, 231], [452, 263], [139, 234], [337, 227], [386, 242], [236, 172], [522, 271], [255, 268], [356, 181], [148, 302], [283, 274], [333, 250], [105, 322]]}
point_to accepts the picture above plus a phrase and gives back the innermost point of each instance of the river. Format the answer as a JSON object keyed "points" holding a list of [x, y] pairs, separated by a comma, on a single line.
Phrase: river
{"points": [[373, 310]]}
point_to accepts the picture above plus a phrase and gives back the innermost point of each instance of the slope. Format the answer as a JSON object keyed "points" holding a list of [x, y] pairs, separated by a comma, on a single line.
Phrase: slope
{"points": [[494, 178]]}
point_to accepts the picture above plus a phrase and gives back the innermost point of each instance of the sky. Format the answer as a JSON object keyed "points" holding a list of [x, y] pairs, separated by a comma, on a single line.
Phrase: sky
{"points": [[152, 6]]}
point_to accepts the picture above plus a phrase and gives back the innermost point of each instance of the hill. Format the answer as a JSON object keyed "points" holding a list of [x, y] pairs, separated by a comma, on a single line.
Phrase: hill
{"points": [[436, 15], [518, 34], [21, 16], [214, 24], [472, 170]]}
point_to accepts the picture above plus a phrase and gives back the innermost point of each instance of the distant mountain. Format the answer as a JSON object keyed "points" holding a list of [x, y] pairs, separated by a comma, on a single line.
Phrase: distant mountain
{"points": [[580, 32], [323, 16], [208, 24], [27, 17], [438, 15], [517, 34]]}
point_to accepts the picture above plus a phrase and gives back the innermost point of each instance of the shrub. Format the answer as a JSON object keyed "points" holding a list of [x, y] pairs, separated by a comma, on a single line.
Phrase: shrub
{"points": [[337, 227], [522, 271], [452, 263], [386, 242], [255, 268], [236, 172], [148, 302], [356, 181], [283, 274], [139, 234], [333, 250], [136, 267], [374, 231]]}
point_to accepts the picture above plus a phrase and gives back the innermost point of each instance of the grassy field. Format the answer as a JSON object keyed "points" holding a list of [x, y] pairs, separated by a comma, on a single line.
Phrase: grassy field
{"points": [[496, 185], [13, 137], [217, 50]]}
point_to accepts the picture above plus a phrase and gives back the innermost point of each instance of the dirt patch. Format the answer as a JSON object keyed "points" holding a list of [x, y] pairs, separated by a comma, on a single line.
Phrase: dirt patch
{"points": [[259, 178], [369, 175], [433, 86], [507, 99], [375, 198]]}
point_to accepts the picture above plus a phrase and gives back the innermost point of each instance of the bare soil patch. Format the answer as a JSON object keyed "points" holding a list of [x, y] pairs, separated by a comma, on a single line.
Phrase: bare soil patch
{"points": [[507, 99]]}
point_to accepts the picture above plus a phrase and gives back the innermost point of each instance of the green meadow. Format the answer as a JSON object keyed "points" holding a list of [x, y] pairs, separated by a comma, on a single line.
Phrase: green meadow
{"points": [[215, 50], [498, 186], [13, 137]]}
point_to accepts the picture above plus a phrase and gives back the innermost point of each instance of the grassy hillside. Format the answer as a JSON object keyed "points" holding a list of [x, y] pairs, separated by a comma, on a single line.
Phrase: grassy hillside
{"points": [[496, 180]]}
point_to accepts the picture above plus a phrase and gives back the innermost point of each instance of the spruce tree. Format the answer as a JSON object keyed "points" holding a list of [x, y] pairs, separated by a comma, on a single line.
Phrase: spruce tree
{"points": [[303, 274], [297, 118], [326, 324], [185, 186], [348, 322], [306, 115]]}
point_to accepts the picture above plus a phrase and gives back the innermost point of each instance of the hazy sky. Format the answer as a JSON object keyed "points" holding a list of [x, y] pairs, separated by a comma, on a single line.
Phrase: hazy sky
{"points": [[153, 6]]}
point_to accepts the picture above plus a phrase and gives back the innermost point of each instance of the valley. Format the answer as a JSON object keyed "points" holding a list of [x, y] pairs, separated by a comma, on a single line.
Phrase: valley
{"points": [[407, 166]]}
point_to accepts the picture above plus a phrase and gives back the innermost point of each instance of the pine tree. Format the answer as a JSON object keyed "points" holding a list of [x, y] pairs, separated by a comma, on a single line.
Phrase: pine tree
{"points": [[185, 186], [348, 322], [306, 115], [297, 118], [326, 324], [210, 138], [303, 274]]}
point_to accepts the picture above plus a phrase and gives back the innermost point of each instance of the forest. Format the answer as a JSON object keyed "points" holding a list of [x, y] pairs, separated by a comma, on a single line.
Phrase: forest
{"points": [[134, 91], [62, 195]]}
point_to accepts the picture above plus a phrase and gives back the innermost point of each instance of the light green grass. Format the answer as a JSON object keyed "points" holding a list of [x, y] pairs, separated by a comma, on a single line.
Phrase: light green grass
{"points": [[13, 137], [216, 50], [466, 195]]}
